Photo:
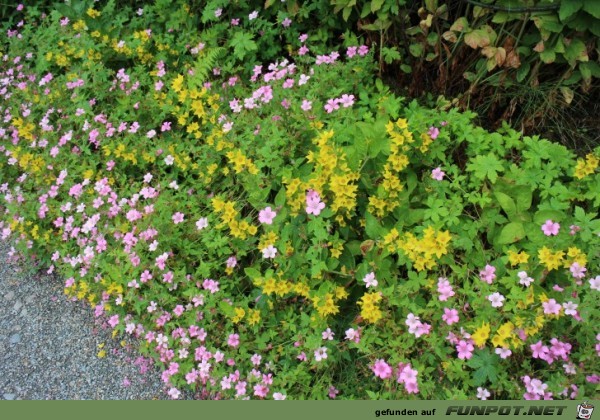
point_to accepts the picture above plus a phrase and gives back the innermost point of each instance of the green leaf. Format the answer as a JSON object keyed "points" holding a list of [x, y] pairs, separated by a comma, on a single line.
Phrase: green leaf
{"points": [[253, 273], [541, 216], [592, 7], [507, 203], [242, 43], [576, 51], [486, 365], [486, 166], [548, 56], [416, 49], [376, 5], [373, 228], [512, 232], [568, 8]]}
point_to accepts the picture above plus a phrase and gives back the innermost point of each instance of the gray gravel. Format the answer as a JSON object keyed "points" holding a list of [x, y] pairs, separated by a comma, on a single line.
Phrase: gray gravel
{"points": [[49, 346]]}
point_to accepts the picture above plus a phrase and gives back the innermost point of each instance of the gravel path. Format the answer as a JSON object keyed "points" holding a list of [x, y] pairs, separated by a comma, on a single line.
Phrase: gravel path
{"points": [[49, 346]]}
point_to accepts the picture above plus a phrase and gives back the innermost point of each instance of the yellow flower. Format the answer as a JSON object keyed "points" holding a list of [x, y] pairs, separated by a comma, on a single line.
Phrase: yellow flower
{"points": [[481, 334], [515, 258], [239, 315]]}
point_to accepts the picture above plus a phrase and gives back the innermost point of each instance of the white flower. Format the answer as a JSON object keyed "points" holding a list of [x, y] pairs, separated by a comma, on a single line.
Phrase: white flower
{"points": [[320, 354], [174, 185], [169, 160], [483, 393], [570, 308], [279, 396], [269, 252], [497, 299], [524, 279], [202, 223], [370, 280], [253, 16], [595, 283]]}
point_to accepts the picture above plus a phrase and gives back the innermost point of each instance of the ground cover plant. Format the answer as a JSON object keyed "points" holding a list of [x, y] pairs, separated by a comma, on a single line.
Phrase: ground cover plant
{"points": [[290, 228]]}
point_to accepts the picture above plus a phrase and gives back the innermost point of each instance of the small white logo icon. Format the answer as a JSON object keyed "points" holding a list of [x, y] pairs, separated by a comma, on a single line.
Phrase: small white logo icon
{"points": [[584, 411]]}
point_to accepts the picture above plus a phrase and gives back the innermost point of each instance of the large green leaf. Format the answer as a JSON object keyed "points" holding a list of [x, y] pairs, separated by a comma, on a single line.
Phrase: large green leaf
{"points": [[568, 8], [512, 232], [592, 7]]}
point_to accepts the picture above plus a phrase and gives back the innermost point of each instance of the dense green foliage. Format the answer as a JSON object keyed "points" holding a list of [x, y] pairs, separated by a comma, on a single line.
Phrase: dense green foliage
{"points": [[290, 227]]}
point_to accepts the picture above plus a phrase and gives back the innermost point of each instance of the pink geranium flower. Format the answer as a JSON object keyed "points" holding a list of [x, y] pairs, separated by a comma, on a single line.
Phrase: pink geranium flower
{"points": [[266, 216], [550, 228], [381, 369]]}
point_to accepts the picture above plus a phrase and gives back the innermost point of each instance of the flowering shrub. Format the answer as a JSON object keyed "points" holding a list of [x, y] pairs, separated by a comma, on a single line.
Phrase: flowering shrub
{"points": [[295, 231]]}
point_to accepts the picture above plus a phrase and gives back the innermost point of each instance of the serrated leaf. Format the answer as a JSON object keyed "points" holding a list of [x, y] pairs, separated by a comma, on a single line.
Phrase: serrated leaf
{"points": [[486, 166], [242, 43]]}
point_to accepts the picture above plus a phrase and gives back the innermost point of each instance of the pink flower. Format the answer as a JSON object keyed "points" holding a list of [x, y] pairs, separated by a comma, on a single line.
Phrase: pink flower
{"points": [[433, 132], [113, 321], [408, 376], [539, 350], [303, 50], [438, 174], [577, 270], [381, 369], [286, 22], [503, 352], [351, 52], [465, 349], [233, 340], [363, 50], [331, 105], [313, 203], [266, 216], [450, 316], [352, 335], [346, 100], [551, 307], [178, 218], [488, 274], [306, 105], [444, 289], [327, 334], [550, 228]]}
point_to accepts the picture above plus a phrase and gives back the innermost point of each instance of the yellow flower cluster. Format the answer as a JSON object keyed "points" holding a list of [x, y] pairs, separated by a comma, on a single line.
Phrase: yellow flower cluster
{"points": [[325, 305], [586, 167], [331, 173], [506, 337], [574, 254], [386, 199], [422, 252], [552, 260], [240, 229], [369, 307], [516, 258], [241, 162]]}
